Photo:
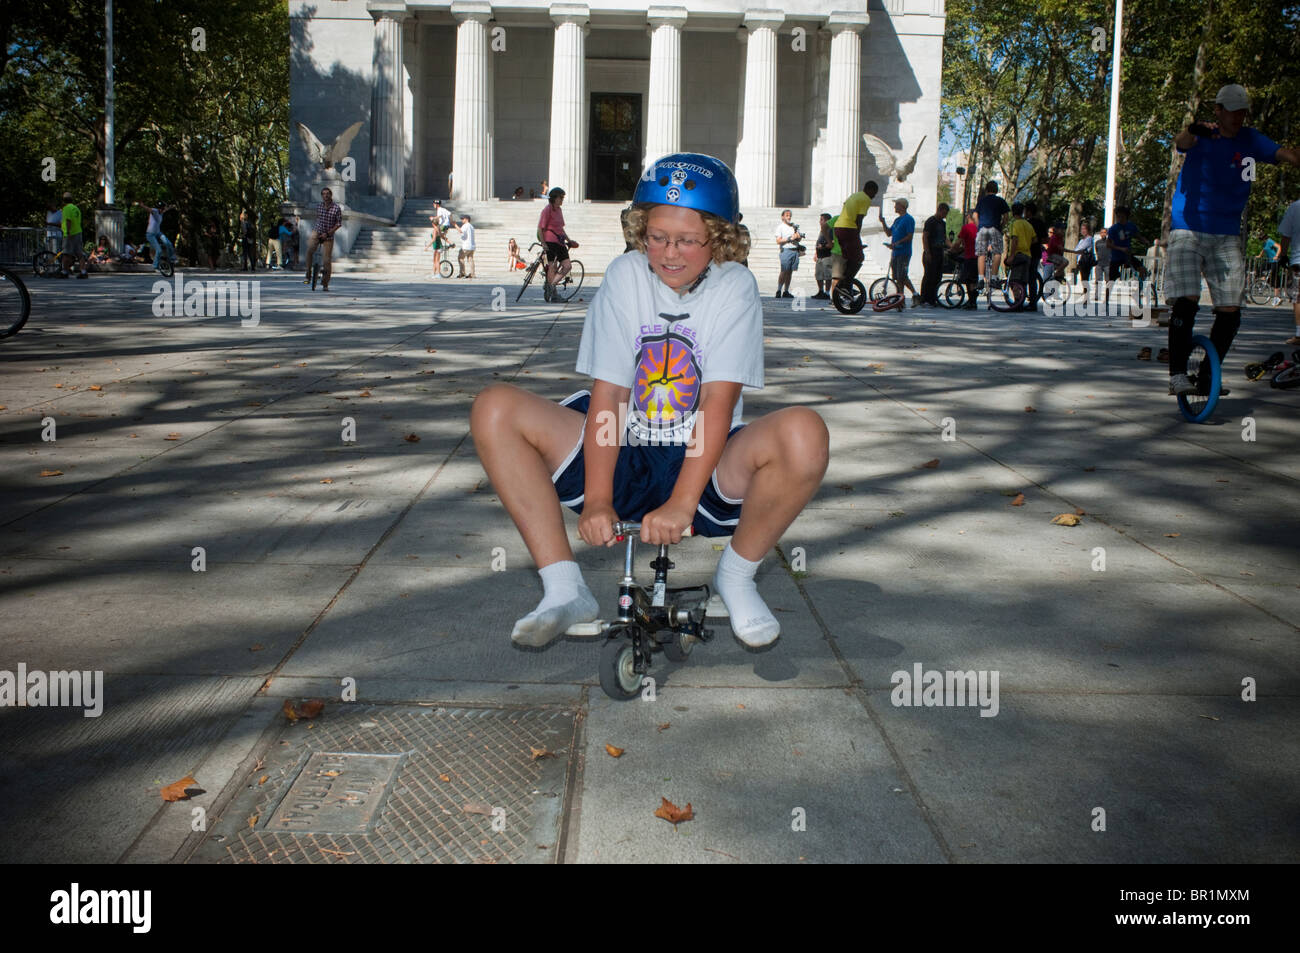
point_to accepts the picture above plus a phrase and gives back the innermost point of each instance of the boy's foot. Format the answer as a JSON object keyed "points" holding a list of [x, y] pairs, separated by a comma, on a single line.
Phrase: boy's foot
{"points": [[751, 620], [1181, 384], [567, 602]]}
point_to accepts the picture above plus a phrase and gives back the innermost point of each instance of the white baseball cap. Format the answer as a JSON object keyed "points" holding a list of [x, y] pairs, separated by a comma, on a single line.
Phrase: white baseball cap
{"points": [[1233, 97]]}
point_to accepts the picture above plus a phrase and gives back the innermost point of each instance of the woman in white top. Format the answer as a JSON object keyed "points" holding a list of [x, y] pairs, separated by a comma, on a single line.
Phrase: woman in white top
{"points": [[54, 227]]}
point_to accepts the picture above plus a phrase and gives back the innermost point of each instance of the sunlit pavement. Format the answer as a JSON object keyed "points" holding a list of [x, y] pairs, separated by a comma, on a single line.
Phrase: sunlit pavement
{"points": [[182, 512]]}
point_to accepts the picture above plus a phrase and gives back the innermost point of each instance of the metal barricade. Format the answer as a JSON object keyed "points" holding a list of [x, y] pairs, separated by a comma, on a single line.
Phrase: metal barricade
{"points": [[19, 245]]}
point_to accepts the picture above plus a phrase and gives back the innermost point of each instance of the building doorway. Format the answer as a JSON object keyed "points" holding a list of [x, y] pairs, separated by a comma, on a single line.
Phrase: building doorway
{"points": [[614, 147]]}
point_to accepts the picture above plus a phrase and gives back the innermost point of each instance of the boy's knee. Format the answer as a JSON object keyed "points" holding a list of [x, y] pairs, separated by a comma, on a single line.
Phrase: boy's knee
{"points": [[490, 407], [806, 440]]}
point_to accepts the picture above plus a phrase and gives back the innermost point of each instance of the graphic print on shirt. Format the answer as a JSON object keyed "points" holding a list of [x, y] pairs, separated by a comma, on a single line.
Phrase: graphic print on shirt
{"points": [[666, 390]]}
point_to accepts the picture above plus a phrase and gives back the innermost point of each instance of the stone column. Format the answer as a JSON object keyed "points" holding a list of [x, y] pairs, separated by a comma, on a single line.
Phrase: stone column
{"points": [[567, 162], [387, 127], [664, 112], [471, 154], [843, 111], [756, 153]]}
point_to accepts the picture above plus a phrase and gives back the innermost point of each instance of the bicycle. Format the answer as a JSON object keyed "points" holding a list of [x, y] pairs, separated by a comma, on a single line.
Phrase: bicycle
{"points": [[15, 303], [317, 266], [566, 287], [650, 619], [48, 264], [1197, 406], [1259, 287], [1022, 282], [881, 299]]}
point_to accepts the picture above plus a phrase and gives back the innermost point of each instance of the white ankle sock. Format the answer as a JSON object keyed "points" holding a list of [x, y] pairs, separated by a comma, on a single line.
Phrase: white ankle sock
{"points": [[751, 620], [567, 600]]}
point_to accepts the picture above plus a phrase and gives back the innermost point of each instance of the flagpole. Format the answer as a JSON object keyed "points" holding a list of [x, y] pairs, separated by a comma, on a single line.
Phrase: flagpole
{"points": [[1112, 150]]}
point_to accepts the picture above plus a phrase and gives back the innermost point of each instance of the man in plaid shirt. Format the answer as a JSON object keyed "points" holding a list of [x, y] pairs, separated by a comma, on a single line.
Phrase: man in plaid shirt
{"points": [[329, 217]]}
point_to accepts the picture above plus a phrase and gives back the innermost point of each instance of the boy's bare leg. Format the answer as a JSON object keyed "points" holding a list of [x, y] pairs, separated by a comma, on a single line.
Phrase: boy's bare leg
{"points": [[521, 440], [775, 465]]}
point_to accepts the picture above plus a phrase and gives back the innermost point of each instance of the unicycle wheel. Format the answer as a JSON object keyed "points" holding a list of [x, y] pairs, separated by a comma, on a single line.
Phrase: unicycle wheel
{"points": [[618, 676], [1204, 371], [850, 296]]}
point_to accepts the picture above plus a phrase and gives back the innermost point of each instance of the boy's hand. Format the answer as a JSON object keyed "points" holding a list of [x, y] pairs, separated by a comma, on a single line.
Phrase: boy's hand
{"points": [[596, 525], [666, 524]]}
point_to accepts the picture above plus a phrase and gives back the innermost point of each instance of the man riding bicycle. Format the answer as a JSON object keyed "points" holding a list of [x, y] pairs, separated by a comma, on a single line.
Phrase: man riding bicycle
{"points": [[153, 233], [848, 233], [550, 232]]}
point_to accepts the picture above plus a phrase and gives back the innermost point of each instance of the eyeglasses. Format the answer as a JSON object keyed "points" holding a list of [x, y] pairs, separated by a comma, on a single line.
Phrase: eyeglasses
{"points": [[686, 245]]}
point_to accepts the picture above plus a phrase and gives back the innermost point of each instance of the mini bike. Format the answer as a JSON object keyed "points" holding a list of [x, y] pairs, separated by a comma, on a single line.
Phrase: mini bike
{"points": [[650, 619]]}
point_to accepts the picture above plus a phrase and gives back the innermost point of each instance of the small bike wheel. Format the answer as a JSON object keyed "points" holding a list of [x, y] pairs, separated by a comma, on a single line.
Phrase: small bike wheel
{"points": [[1285, 379], [678, 648], [315, 275], [566, 289], [1258, 291], [15, 303], [1013, 297], [879, 289], [43, 263], [887, 303], [1203, 369], [446, 269], [954, 294], [618, 677], [850, 296], [166, 267]]}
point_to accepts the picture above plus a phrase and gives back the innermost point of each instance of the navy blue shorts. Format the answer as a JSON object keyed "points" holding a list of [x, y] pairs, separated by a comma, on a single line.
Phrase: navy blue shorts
{"points": [[644, 478]]}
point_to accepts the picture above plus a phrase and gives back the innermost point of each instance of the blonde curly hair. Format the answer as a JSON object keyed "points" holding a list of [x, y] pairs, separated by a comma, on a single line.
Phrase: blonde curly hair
{"points": [[728, 242]]}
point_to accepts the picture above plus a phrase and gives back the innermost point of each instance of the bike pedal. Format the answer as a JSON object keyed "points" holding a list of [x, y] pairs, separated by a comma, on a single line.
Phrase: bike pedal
{"points": [[716, 607], [587, 628]]}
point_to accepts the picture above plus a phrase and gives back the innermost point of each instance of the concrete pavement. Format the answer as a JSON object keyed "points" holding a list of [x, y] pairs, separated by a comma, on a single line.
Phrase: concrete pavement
{"points": [[1120, 645]]}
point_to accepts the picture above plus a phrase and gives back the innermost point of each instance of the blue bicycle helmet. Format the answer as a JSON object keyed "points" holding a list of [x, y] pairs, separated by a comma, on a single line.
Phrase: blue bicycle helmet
{"points": [[690, 180]]}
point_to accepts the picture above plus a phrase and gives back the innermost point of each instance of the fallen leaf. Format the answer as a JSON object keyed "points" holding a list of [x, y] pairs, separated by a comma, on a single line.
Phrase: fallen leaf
{"points": [[328, 480], [1019, 500], [929, 464], [740, 706], [172, 436], [1220, 480], [443, 777], [256, 647], [364, 393], [1173, 535], [1208, 717], [263, 779], [673, 814], [1066, 519], [665, 726], [50, 473], [307, 709], [477, 807], [613, 752], [541, 752], [95, 387], [252, 819], [1078, 511], [1089, 469], [1030, 410], [331, 774], [176, 792], [411, 438]]}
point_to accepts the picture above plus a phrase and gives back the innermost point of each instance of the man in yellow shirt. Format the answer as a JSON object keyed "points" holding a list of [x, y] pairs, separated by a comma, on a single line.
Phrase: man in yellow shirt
{"points": [[1020, 238], [848, 232], [72, 245]]}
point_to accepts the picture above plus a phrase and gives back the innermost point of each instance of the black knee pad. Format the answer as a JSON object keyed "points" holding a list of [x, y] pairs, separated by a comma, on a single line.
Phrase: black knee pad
{"points": [[1184, 310], [1229, 321]]}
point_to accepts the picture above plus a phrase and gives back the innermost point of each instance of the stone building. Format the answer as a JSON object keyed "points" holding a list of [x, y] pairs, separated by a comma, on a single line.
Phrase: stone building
{"points": [[493, 97]]}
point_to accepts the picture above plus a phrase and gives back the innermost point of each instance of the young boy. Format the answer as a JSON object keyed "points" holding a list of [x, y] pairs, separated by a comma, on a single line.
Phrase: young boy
{"points": [[676, 329]]}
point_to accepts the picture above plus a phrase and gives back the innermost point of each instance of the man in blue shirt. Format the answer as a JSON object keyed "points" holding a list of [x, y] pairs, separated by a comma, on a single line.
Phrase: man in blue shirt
{"points": [[1219, 165], [1119, 239], [901, 232], [992, 210]]}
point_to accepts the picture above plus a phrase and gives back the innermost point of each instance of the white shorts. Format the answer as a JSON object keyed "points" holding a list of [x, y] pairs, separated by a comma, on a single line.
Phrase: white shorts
{"points": [[987, 239]]}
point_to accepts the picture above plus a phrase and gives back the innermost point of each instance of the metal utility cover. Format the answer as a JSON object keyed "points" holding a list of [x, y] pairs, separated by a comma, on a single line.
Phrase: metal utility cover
{"points": [[402, 784]]}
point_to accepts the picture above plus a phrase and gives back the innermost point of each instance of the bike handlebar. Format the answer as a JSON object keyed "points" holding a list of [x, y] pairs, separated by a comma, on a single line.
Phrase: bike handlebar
{"points": [[622, 529]]}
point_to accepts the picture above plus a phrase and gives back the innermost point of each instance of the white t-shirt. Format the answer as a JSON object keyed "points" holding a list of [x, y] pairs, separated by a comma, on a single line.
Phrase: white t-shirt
{"points": [[467, 237], [155, 221], [784, 232], [1290, 227], [444, 216], [642, 335], [54, 222]]}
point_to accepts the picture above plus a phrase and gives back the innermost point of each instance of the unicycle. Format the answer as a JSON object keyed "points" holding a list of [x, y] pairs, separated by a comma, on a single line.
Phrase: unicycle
{"points": [[650, 619], [850, 296], [316, 268], [1198, 405]]}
